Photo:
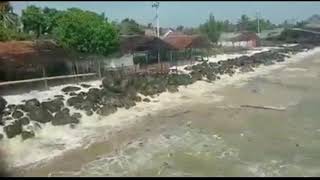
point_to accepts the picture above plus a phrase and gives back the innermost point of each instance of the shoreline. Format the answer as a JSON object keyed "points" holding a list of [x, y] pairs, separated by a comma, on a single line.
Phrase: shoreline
{"points": [[216, 83], [128, 134]]}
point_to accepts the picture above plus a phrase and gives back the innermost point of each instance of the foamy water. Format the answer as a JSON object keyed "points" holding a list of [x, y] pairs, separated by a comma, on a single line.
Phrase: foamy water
{"points": [[51, 141]]}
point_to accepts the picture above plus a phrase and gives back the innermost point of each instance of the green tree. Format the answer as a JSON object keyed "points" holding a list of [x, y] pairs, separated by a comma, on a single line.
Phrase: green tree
{"points": [[86, 32], [228, 27], [247, 24], [179, 28], [8, 19], [243, 23], [212, 29], [33, 20], [50, 16], [130, 27]]}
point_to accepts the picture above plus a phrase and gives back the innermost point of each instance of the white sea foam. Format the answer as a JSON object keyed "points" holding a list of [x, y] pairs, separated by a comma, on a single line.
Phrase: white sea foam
{"points": [[51, 141], [295, 69], [44, 95]]}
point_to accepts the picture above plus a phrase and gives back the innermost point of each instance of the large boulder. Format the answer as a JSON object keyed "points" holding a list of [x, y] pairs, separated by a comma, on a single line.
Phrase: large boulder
{"points": [[3, 104], [89, 113], [17, 114], [131, 92], [196, 76], [245, 69], [112, 101], [173, 88], [93, 95], [184, 79], [137, 98], [76, 115], [146, 100], [106, 110], [70, 89], [87, 105], [11, 107], [211, 77], [1, 120], [127, 102], [6, 113], [85, 85], [63, 118], [13, 129], [149, 90], [31, 104], [24, 120], [59, 96], [27, 134], [74, 101], [41, 115], [53, 106], [21, 107]]}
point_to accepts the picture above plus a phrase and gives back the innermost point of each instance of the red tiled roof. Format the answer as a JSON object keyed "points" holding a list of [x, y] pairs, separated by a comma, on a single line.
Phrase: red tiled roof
{"points": [[187, 41], [16, 48], [28, 51], [179, 42]]}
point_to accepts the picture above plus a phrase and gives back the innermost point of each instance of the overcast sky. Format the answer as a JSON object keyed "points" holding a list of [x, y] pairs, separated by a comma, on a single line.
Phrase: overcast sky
{"points": [[187, 13]]}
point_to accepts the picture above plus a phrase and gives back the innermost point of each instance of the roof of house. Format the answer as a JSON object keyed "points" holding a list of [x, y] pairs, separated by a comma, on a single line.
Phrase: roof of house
{"points": [[30, 51], [181, 41], [174, 33], [142, 43], [270, 33], [245, 36]]}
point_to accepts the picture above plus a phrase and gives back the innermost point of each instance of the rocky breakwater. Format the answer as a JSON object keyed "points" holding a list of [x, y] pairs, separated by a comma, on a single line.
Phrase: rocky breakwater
{"points": [[119, 90]]}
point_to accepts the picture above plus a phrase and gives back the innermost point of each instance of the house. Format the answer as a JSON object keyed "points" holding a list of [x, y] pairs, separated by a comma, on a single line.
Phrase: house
{"points": [[270, 33], [27, 59], [147, 46], [150, 32], [181, 41], [188, 46], [244, 39], [166, 32]]}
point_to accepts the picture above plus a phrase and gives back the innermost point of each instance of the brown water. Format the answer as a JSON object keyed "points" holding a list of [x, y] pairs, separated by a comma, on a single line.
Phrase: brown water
{"points": [[216, 138]]}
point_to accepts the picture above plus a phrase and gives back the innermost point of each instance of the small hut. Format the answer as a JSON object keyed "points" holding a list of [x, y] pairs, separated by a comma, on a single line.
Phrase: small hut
{"points": [[244, 39], [31, 59], [145, 49], [188, 46]]}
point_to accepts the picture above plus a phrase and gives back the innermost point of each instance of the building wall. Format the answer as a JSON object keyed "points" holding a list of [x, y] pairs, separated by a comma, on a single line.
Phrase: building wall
{"points": [[126, 60], [246, 44]]}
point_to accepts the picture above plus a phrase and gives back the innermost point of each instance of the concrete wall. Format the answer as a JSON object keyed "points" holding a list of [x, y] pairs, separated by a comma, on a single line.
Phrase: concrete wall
{"points": [[126, 60], [246, 44]]}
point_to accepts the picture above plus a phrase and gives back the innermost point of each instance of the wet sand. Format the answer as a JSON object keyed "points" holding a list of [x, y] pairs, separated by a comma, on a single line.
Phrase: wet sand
{"points": [[262, 142]]}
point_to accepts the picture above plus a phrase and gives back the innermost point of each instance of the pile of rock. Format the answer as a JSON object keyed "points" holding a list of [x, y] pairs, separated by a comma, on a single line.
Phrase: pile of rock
{"points": [[16, 118], [211, 71]]}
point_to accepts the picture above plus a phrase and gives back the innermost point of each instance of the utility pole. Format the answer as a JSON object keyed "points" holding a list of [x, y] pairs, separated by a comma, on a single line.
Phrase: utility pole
{"points": [[258, 19], [156, 5]]}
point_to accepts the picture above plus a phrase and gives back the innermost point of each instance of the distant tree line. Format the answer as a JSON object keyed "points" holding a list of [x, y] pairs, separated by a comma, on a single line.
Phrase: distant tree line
{"points": [[213, 28]]}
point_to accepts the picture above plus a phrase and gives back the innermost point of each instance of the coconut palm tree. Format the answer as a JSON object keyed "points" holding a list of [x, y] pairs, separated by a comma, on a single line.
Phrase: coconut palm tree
{"points": [[7, 17]]}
